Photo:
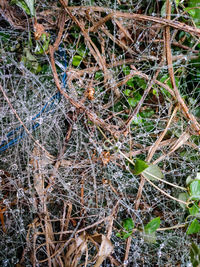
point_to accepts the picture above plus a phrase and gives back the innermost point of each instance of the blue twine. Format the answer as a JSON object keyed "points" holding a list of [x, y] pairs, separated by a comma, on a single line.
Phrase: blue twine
{"points": [[49, 107]]}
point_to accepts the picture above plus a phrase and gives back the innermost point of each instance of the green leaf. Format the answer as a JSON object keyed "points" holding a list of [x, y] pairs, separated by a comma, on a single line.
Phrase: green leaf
{"points": [[149, 233], [118, 234], [194, 227], [130, 83], [98, 75], [195, 190], [76, 61], [153, 173], [194, 10], [126, 235], [126, 70], [152, 226], [43, 45], [128, 224], [26, 5], [195, 255], [134, 100], [194, 210], [138, 120], [22, 5], [140, 166], [30, 4], [183, 197], [149, 238], [189, 180], [127, 92]]}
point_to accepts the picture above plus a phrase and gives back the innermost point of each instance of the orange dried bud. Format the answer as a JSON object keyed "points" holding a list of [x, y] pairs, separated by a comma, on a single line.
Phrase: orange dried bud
{"points": [[105, 157], [39, 30], [90, 93]]}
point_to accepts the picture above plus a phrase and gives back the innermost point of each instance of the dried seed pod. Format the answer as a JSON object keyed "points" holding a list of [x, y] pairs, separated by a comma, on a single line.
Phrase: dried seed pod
{"points": [[90, 93]]}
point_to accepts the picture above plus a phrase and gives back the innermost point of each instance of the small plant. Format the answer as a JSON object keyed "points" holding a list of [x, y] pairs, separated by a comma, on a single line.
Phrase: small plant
{"points": [[193, 198], [128, 226]]}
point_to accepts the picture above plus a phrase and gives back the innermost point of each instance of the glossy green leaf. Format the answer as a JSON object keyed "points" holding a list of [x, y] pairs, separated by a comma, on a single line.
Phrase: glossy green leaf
{"points": [[130, 83], [194, 210], [194, 227], [128, 224], [118, 234], [76, 61], [140, 166], [188, 180], [195, 190], [153, 173], [133, 101], [127, 92], [152, 226]]}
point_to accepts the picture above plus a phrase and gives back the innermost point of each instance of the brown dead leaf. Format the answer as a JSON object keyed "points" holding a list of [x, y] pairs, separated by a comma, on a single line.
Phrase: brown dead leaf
{"points": [[39, 30], [105, 157], [105, 250]]}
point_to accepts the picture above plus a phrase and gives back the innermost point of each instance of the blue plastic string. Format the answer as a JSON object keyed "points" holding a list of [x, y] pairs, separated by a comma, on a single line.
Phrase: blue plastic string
{"points": [[49, 107]]}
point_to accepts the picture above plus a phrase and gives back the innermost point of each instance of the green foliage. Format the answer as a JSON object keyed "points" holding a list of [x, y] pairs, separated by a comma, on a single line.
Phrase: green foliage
{"points": [[194, 10], [133, 101], [194, 190], [149, 171], [30, 61], [195, 255], [76, 61], [140, 166], [128, 226], [81, 53], [194, 227], [26, 5], [153, 172], [149, 232], [43, 45], [193, 186]]}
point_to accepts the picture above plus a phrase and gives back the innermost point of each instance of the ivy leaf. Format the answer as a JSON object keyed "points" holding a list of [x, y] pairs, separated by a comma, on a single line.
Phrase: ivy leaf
{"points": [[128, 224], [194, 227], [195, 190], [194, 210], [127, 92], [149, 233], [140, 166], [183, 197], [152, 226], [76, 61], [194, 11], [126, 70], [98, 75], [153, 173]]}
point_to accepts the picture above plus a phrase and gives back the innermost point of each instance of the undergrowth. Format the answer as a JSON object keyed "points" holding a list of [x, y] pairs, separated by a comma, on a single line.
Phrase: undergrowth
{"points": [[99, 153]]}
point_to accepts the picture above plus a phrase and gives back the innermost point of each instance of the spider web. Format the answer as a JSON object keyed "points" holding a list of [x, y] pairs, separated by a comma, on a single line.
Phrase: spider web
{"points": [[47, 197]]}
